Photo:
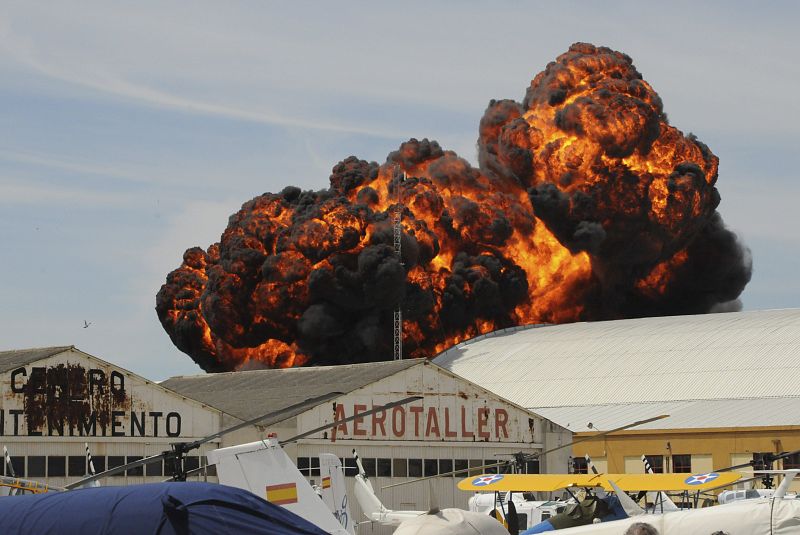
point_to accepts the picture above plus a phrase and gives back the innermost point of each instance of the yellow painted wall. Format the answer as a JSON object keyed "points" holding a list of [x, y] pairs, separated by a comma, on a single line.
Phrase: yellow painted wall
{"points": [[710, 448], [705, 463]]}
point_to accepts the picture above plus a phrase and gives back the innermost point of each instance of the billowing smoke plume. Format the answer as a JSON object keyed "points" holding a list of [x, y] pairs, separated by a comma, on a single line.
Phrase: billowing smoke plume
{"points": [[587, 205]]}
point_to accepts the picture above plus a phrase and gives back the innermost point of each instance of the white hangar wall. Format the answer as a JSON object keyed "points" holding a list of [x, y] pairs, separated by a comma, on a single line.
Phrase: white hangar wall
{"points": [[54, 400], [457, 425]]}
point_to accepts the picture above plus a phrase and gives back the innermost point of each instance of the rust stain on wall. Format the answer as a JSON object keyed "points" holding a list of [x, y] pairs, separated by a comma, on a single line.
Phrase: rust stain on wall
{"points": [[68, 399]]}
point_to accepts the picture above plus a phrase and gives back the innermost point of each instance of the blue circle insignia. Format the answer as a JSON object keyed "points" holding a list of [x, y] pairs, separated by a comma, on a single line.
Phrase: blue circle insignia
{"points": [[485, 480], [700, 479]]}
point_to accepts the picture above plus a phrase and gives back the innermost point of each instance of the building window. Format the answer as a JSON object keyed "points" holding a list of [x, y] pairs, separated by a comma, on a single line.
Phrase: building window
{"points": [[308, 466], [56, 466], [154, 469], [314, 471], [415, 468], [532, 467], [682, 464], [137, 471], [384, 468], [303, 464], [169, 467], [461, 464], [792, 462], [446, 466], [18, 464], [350, 467], [476, 467], [656, 463], [76, 465], [36, 466], [399, 468], [761, 460], [489, 469], [193, 461], [579, 465], [115, 461], [369, 466], [431, 467], [99, 463], [211, 469]]}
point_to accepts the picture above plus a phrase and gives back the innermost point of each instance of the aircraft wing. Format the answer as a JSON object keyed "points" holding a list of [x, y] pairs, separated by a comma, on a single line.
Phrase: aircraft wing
{"points": [[527, 482], [672, 482], [626, 482]]}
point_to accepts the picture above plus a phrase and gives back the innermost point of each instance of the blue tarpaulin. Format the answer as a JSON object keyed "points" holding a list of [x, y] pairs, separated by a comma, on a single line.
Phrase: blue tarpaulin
{"points": [[156, 508]]}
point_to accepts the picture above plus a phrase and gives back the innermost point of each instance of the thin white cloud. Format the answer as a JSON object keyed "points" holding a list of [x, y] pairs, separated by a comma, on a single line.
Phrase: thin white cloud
{"points": [[17, 191], [72, 165], [100, 72]]}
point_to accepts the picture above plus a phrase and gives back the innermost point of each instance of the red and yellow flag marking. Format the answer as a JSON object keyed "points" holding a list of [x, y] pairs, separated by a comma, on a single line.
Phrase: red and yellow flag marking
{"points": [[282, 494], [326, 482]]}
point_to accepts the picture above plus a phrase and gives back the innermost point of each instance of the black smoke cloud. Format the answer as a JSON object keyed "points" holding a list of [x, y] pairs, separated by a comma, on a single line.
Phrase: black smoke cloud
{"points": [[311, 277]]}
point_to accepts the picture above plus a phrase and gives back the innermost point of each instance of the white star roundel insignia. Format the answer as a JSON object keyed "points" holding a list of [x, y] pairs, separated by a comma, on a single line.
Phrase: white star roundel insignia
{"points": [[700, 479], [483, 481]]}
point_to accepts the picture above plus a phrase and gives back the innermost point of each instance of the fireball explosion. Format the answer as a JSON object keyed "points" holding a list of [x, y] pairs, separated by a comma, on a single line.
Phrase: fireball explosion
{"points": [[586, 205]]}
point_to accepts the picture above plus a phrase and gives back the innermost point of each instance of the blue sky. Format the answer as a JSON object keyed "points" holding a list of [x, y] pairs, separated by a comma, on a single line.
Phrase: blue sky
{"points": [[131, 131]]}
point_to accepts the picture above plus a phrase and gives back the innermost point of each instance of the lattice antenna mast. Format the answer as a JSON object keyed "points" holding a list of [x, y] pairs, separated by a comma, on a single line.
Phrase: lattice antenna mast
{"points": [[397, 227]]}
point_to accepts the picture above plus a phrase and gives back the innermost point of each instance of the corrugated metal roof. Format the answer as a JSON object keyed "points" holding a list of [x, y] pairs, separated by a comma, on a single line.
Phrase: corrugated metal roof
{"points": [[750, 354], [22, 357], [248, 394], [696, 414]]}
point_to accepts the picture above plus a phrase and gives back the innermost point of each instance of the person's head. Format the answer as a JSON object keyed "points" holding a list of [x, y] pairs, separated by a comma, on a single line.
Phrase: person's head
{"points": [[640, 528]]}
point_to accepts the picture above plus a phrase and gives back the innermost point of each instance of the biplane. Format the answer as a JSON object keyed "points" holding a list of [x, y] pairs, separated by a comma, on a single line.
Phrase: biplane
{"points": [[600, 513]]}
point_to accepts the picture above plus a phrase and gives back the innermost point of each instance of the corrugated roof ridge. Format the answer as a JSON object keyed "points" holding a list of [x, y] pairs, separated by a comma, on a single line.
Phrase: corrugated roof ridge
{"points": [[406, 363], [55, 349], [662, 401]]}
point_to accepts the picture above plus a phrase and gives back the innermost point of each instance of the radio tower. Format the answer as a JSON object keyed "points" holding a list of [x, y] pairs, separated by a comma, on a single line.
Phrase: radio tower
{"points": [[397, 216]]}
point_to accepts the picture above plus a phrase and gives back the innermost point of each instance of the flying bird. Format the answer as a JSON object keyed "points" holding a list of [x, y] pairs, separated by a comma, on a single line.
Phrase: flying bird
{"points": [[86, 324]]}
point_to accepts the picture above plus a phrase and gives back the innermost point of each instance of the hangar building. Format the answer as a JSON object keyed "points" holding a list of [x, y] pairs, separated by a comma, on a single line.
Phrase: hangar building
{"points": [[728, 381], [456, 426]]}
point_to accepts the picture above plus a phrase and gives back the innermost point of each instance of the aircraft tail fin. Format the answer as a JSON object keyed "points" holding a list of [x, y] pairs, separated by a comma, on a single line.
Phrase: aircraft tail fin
{"points": [[367, 500], [365, 495], [631, 507], [789, 475], [433, 503], [334, 493]]}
